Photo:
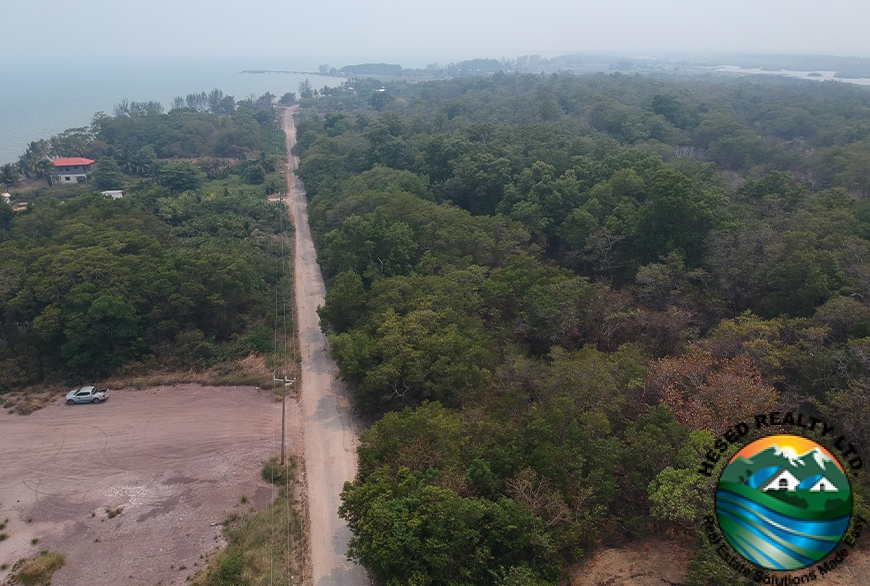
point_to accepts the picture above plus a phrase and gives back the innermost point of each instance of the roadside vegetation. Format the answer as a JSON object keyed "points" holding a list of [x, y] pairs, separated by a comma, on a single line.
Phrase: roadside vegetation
{"points": [[37, 571], [177, 280], [263, 547], [25, 403], [550, 293]]}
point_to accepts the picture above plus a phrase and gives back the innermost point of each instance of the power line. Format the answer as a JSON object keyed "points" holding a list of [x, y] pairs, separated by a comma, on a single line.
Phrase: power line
{"points": [[287, 350]]}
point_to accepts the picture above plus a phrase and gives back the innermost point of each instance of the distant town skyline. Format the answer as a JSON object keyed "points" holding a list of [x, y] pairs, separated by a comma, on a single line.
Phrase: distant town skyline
{"points": [[341, 30]]}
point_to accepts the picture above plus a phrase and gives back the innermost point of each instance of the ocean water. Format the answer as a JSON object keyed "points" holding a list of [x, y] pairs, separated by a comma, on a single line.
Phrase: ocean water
{"points": [[38, 100]]}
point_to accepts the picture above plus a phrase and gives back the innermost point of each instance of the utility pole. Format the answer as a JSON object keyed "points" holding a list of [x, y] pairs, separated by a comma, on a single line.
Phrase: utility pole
{"points": [[285, 381]]}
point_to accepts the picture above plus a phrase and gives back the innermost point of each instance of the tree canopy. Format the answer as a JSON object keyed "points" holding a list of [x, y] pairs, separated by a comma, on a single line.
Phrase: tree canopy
{"points": [[176, 275], [551, 292]]}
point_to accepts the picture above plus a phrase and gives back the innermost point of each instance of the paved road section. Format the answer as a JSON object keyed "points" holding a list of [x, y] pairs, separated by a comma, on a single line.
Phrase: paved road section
{"points": [[330, 434]]}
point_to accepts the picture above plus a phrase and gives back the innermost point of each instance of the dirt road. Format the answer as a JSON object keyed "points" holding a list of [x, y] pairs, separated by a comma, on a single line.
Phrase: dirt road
{"points": [[176, 461], [330, 436]]}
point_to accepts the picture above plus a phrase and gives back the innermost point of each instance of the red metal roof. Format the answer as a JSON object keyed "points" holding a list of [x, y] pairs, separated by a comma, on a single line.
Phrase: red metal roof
{"points": [[71, 162]]}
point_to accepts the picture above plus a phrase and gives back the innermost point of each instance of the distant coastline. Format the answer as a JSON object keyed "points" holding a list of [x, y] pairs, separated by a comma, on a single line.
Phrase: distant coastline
{"points": [[845, 70], [41, 107], [267, 71], [806, 74]]}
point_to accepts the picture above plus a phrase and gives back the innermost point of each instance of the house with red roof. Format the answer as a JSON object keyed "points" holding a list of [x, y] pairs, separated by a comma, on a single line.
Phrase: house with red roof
{"points": [[72, 169]]}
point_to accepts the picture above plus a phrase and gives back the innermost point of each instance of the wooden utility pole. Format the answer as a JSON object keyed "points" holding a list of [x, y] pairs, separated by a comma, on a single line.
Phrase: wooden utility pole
{"points": [[285, 382]]}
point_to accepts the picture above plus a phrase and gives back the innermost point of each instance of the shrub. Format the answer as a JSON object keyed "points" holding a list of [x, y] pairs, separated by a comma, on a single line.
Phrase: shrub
{"points": [[276, 474], [40, 569], [229, 569]]}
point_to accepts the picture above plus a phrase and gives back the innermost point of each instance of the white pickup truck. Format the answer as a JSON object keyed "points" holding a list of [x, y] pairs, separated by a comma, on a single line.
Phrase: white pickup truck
{"points": [[86, 395]]}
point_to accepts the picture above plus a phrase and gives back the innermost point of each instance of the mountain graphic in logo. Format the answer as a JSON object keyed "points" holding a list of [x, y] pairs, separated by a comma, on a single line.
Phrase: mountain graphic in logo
{"points": [[783, 502]]}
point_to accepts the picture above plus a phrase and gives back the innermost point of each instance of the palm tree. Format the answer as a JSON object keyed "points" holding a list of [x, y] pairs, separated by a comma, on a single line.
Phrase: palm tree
{"points": [[127, 161], [39, 148], [28, 163], [44, 169], [142, 161], [9, 175]]}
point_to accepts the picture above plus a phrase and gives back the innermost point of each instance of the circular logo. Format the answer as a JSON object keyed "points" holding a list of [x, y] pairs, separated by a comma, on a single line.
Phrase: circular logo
{"points": [[783, 502]]}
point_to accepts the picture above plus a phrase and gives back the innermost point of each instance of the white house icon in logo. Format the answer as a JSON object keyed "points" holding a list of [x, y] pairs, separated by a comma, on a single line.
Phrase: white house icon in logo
{"points": [[784, 480]]}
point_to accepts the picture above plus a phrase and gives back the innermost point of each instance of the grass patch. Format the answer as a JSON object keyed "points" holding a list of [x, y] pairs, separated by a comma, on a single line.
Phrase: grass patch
{"points": [[279, 475], [38, 570], [241, 379], [263, 548], [32, 398], [112, 513], [249, 371], [30, 403]]}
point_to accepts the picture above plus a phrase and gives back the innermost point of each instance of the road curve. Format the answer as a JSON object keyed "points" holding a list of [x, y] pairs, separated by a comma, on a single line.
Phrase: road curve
{"points": [[330, 435]]}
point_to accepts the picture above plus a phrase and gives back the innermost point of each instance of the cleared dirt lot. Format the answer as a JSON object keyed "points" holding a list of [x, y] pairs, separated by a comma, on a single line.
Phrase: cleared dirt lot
{"points": [[177, 460]]}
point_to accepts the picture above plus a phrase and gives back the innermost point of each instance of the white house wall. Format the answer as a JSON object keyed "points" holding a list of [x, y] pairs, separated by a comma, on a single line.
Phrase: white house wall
{"points": [[71, 178]]}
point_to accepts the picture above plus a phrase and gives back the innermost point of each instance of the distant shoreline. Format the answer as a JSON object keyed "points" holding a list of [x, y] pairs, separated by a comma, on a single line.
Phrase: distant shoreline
{"points": [[261, 71], [36, 110]]}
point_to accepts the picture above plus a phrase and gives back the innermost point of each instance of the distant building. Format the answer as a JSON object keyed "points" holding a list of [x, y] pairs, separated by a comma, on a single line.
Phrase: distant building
{"points": [[114, 193], [6, 197], [72, 170]]}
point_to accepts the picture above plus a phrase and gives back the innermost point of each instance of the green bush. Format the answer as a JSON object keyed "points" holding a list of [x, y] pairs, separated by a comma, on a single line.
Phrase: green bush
{"points": [[276, 474], [40, 569], [228, 571]]}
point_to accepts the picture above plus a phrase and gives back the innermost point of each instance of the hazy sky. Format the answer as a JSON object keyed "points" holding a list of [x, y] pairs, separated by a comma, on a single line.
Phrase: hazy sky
{"points": [[340, 32]]}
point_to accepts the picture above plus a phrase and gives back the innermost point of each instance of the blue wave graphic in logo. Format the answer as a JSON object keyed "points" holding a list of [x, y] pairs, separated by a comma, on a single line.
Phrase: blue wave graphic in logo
{"points": [[784, 539]]}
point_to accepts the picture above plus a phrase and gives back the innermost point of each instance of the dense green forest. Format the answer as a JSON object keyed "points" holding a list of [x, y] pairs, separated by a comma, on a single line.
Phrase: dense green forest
{"points": [[550, 293], [180, 273]]}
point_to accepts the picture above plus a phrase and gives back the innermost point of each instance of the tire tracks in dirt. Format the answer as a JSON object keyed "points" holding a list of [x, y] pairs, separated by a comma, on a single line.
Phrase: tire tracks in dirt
{"points": [[330, 432]]}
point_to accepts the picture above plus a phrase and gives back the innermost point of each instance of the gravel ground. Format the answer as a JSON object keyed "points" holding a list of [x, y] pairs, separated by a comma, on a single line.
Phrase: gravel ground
{"points": [[329, 427], [175, 460]]}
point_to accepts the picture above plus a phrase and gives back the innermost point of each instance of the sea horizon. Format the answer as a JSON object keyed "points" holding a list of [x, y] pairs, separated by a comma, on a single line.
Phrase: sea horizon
{"points": [[44, 98]]}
